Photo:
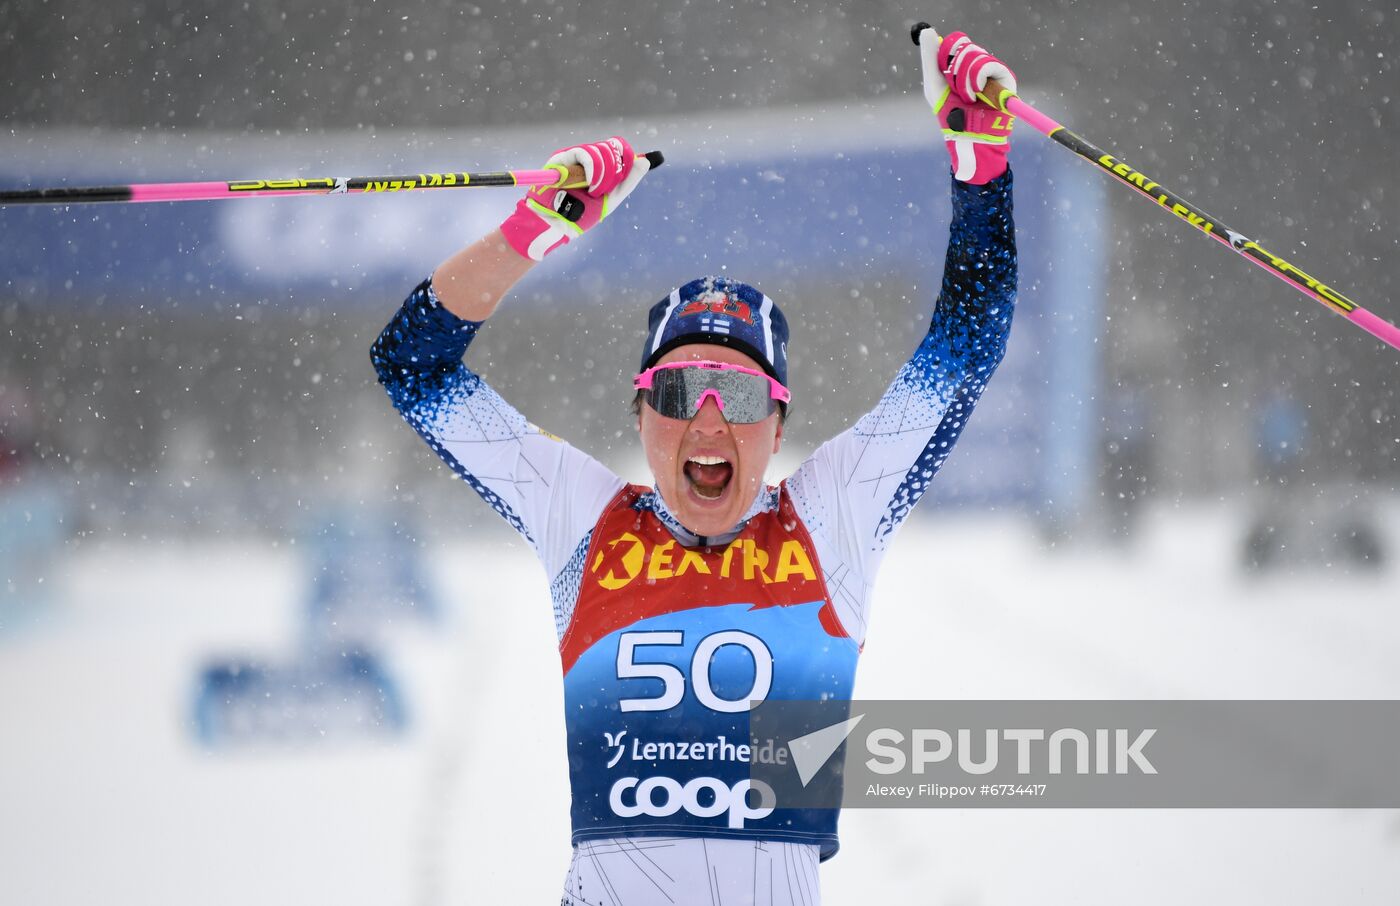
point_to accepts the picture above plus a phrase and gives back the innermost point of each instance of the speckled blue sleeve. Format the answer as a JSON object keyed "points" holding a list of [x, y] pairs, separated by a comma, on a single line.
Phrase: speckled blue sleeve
{"points": [[966, 340], [972, 319], [419, 352], [548, 491], [859, 487], [418, 357]]}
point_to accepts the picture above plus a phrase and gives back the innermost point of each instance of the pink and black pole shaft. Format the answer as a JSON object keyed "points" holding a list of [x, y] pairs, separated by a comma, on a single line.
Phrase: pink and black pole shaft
{"points": [[1171, 202], [557, 176]]}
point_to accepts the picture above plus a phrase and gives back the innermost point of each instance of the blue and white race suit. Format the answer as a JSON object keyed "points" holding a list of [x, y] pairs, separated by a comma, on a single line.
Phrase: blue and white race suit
{"points": [[664, 636]]}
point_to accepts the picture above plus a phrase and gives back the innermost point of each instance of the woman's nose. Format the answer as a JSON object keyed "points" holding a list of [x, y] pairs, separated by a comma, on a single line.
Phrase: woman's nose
{"points": [[709, 415], [711, 394]]}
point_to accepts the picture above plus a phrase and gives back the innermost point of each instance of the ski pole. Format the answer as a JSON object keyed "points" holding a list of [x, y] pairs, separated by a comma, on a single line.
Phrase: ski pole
{"points": [[999, 97], [555, 176]]}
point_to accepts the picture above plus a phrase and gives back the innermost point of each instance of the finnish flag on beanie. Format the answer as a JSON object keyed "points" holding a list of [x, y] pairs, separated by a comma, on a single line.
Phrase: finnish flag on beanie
{"points": [[723, 311]]}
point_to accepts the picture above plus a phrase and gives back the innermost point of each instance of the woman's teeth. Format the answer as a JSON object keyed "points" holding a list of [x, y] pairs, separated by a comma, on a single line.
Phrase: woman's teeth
{"points": [[708, 475]]}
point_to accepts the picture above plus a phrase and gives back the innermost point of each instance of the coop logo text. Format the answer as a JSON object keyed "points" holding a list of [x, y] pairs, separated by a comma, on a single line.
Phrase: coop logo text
{"points": [[702, 797]]}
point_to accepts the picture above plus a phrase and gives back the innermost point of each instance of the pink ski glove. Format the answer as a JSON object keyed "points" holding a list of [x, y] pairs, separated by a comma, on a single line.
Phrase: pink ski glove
{"points": [[977, 133], [547, 218]]}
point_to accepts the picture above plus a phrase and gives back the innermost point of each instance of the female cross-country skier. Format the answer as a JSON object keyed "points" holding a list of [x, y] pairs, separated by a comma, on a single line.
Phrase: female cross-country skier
{"points": [[678, 604]]}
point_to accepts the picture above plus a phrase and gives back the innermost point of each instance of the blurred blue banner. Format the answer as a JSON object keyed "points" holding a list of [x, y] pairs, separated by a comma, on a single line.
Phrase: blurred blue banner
{"points": [[851, 199]]}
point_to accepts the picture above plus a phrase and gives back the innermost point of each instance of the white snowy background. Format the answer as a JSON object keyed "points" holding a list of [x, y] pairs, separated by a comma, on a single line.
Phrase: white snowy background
{"points": [[107, 797]]}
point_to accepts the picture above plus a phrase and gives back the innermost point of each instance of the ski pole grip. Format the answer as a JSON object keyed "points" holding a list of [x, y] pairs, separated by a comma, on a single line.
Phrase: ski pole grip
{"points": [[573, 177], [994, 93], [570, 177]]}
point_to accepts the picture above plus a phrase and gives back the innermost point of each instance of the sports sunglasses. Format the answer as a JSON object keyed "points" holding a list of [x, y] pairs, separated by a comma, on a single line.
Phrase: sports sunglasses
{"points": [[744, 395]]}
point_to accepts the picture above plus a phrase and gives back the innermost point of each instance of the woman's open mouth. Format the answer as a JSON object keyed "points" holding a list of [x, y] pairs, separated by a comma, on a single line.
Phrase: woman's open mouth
{"points": [[708, 475]]}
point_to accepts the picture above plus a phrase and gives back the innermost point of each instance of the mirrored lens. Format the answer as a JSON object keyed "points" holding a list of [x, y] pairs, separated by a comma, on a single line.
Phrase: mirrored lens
{"points": [[675, 393]]}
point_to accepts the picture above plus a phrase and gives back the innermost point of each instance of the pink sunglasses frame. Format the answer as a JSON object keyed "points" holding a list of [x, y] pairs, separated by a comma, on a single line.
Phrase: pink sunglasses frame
{"points": [[776, 391]]}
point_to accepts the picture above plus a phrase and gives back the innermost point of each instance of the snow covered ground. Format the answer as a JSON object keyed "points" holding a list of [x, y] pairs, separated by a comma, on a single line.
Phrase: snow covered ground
{"points": [[106, 798]]}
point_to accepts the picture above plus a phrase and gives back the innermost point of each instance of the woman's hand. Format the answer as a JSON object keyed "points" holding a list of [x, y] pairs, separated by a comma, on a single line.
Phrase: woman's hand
{"points": [[977, 133], [472, 282], [547, 218]]}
